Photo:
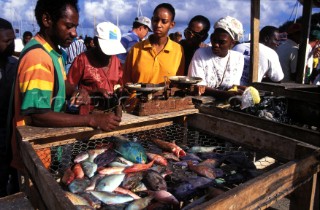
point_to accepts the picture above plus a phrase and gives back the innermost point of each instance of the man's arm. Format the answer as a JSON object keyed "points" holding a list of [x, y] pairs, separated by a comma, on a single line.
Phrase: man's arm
{"points": [[106, 121]]}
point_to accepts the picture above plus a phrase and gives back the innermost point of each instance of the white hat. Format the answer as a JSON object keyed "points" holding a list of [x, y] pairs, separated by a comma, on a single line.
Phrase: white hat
{"points": [[232, 26], [145, 21], [109, 37]]}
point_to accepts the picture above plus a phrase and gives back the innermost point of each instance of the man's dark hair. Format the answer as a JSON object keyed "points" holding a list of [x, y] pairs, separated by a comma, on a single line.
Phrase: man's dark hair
{"points": [[267, 32], [4, 24], [137, 24], [205, 22], [27, 33], [55, 9], [168, 7]]}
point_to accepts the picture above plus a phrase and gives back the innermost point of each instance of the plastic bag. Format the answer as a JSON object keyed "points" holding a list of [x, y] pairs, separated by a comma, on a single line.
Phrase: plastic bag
{"points": [[250, 97]]}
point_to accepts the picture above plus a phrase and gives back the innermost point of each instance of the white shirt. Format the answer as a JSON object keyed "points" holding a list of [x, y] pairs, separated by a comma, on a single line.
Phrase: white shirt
{"points": [[288, 56], [269, 64], [217, 72]]}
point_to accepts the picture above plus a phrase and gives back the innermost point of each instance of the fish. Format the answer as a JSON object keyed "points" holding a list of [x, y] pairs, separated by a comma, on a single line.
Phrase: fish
{"points": [[121, 190], [117, 164], [201, 149], [131, 180], [93, 201], [164, 197], [158, 159], [76, 199], [186, 189], [158, 206], [93, 182], [78, 171], [83, 207], [110, 183], [111, 170], [110, 198], [170, 156], [93, 153], [105, 158], [202, 170], [89, 168], [81, 157], [191, 156], [139, 188], [212, 163], [140, 203], [154, 181], [125, 161], [184, 163], [170, 147], [132, 151], [68, 176], [138, 167], [239, 159], [78, 185]]}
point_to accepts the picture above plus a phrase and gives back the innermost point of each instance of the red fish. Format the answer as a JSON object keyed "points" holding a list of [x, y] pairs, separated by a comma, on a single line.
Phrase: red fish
{"points": [[157, 159], [171, 147], [68, 177], [202, 170], [111, 170], [121, 190], [138, 167], [78, 171]]}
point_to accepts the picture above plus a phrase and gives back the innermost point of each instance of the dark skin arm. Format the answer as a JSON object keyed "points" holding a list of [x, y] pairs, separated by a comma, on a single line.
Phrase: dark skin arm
{"points": [[105, 121], [220, 94]]}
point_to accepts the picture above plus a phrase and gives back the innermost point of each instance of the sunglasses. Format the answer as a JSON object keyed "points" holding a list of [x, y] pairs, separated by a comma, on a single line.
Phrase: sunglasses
{"points": [[191, 33]]}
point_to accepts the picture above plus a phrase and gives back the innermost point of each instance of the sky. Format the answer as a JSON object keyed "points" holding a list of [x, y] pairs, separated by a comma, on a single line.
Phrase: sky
{"points": [[123, 12]]}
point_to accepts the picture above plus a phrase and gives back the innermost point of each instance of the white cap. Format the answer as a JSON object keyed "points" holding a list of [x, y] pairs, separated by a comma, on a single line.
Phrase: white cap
{"points": [[232, 26], [109, 37], [145, 21]]}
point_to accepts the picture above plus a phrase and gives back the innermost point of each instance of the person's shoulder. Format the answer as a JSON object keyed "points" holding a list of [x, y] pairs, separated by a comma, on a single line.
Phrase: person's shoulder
{"points": [[234, 53]]}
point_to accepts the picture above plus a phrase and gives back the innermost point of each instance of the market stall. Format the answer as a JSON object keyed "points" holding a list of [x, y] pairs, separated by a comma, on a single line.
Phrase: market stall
{"points": [[283, 164]]}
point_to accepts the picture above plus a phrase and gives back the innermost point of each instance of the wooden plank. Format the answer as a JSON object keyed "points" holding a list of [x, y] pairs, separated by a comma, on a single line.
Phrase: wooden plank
{"points": [[275, 144], [295, 132], [15, 201], [29, 133], [254, 43], [264, 190], [49, 189]]}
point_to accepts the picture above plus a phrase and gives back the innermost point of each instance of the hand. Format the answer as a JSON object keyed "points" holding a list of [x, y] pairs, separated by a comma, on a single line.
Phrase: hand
{"points": [[80, 97], [105, 121]]}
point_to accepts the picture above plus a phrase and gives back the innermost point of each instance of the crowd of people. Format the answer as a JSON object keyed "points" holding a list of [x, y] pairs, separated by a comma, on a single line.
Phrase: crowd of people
{"points": [[57, 70]]}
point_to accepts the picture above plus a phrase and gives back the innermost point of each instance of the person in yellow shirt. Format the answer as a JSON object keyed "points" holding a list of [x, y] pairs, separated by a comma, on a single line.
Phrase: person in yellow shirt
{"points": [[157, 57]]}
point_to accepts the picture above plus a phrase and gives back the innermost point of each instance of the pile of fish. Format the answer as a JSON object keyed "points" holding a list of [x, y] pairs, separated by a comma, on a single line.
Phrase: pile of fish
{"points": [[123, 175]]}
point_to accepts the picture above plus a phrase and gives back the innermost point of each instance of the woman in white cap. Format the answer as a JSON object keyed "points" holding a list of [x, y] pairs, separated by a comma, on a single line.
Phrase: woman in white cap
{"points": [[219, 66]]}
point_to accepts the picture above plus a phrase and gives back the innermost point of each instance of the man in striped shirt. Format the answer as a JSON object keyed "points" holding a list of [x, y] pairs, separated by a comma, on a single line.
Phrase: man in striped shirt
{"points": [[41, 87], [76, 48], [140, 28]]}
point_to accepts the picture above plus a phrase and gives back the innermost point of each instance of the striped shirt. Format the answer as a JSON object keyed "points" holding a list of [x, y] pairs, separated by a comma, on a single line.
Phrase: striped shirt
{"points": [[128, 40], [40, 83], [75, 49]]}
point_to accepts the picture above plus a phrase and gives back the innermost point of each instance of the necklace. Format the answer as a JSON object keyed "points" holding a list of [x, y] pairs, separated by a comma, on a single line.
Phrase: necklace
{"points": [[220, 80]]}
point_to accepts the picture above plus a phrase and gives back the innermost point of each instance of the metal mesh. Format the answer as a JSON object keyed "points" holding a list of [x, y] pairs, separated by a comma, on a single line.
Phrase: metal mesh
{"points": [[62, 156]]}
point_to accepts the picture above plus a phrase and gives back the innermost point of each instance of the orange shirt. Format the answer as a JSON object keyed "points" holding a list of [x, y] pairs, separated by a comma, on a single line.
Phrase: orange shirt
{"points": [[143, 65]]}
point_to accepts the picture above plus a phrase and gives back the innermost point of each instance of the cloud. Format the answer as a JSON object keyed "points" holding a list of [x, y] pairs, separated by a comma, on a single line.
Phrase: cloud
{"points": [[272, 12]]}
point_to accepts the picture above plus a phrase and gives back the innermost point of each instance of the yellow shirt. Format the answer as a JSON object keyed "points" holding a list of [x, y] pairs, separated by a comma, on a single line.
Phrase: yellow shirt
{"points": [[143, 65]]}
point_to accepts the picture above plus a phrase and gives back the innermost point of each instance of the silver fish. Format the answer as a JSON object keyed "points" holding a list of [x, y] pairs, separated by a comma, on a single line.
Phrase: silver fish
{"points": [[94, 153], [200, 149], [89, 168], [117, 164], [140, 203], [81, 157], [93, 182], [110, 183], [78, 185], [111, 198]]}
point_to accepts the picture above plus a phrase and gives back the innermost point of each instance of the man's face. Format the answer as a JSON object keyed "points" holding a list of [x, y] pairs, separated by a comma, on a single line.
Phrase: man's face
{"points": [[26, 39], [65, 29], [6, 42]]}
